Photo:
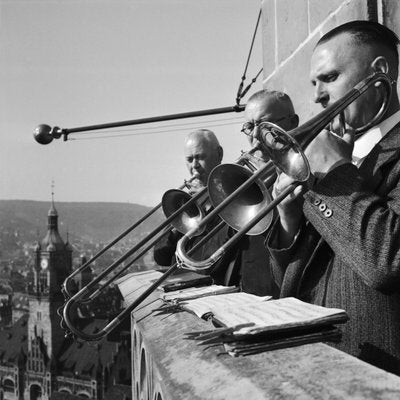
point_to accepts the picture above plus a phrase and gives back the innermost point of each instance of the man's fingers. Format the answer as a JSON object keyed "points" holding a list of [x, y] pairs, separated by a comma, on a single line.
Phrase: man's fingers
{"points": [[298, 190], [281, 183], [349, 136]]}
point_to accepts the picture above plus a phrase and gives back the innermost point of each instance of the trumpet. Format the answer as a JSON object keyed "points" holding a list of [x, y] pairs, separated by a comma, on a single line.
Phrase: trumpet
{"points": [[286, 152]]}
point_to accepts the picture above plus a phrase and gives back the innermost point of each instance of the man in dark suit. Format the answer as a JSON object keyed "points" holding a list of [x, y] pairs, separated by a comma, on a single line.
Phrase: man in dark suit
{"points": [[337, 242], [252, 271], [202, 153]]}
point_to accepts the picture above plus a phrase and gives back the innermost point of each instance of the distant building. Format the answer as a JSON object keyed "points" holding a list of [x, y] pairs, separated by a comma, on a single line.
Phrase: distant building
{"points": [[20, 306], [37, 361], [5, 310]]}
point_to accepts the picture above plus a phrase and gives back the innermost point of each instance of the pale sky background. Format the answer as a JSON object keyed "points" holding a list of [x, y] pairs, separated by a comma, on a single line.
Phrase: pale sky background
{"points": [[72, 63]]}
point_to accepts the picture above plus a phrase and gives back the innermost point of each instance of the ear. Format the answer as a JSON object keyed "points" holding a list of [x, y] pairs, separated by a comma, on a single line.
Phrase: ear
{"points": [[294, 121], [380, 64]]}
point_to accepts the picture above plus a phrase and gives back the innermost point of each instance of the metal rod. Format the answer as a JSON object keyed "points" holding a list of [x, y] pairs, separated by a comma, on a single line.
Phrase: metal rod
{"points": [[44, 134], [190, 114]]}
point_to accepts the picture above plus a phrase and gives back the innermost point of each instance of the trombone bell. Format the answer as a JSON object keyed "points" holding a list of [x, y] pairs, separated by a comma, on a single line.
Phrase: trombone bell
{"points": [[172, 201], [223, 181]]}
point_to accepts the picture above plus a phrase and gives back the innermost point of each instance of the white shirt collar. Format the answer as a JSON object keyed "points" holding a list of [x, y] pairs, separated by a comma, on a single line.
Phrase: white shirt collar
{"points": [[364, 144]]}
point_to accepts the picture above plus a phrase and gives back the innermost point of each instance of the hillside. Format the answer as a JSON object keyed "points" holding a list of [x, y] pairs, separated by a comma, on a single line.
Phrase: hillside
{"points": [[22, 222]]}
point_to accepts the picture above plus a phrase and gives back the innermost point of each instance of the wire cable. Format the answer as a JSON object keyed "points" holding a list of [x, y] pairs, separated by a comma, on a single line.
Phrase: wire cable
{"points": [[240, 94], [183, 124], [151, 133]]}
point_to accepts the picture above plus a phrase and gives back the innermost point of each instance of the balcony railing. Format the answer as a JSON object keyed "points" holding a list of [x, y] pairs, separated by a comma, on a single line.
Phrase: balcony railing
{"points": [[166, 366]]}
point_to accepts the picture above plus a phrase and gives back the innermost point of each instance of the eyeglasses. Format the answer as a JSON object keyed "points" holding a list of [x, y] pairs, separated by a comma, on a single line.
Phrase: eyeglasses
{"points": [[248, 127], [271, 136]]}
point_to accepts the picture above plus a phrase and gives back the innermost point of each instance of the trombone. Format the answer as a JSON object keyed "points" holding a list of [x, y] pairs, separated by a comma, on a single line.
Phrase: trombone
{"points": [[286, 152], [236, 192], [45, 134], [183, 218], [65, 288]]}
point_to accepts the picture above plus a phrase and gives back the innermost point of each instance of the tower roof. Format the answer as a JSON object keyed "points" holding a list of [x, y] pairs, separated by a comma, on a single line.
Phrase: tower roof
{"points": [[53, 241], [52, 211]]}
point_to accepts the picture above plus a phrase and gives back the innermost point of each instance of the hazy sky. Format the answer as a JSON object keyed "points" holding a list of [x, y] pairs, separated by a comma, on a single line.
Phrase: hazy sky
{"points": [[72, 63]]}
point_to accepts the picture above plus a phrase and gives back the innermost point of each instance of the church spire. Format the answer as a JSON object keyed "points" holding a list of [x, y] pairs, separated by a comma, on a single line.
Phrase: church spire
{"points": [[53, 240], [52, 211]]}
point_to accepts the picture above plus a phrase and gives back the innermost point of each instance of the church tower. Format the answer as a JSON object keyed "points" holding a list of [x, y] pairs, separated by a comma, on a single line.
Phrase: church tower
{"points": [[53, 263]]}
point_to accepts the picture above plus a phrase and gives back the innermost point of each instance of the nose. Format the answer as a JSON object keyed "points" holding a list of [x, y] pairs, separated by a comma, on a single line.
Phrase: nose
{"points": [[320, 94], [256, 132], [195, 163]]}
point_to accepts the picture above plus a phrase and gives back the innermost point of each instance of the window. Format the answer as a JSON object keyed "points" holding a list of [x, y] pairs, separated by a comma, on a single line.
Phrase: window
{"points": [[8, 385]]}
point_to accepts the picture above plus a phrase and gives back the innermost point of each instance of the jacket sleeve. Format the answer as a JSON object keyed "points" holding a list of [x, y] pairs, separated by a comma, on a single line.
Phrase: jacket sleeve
{"points": [[360, 223], [299, 251], [164, 249]]}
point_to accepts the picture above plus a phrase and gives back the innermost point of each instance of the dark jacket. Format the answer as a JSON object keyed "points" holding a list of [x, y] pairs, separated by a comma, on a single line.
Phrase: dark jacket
{"points": [[245, 265], [252, 271], [164, 252], [347, 253]]}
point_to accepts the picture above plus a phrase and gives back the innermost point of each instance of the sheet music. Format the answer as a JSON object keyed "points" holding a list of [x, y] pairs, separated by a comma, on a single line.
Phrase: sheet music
{"points": [[214, 304], [238, 308]]}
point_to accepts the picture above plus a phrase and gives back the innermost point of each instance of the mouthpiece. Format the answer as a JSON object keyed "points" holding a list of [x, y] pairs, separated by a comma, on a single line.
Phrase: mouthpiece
{"points": [[44, 134]]}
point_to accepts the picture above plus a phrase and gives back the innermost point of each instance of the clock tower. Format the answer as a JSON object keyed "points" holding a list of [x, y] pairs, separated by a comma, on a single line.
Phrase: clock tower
{"points": [[53, 263]]}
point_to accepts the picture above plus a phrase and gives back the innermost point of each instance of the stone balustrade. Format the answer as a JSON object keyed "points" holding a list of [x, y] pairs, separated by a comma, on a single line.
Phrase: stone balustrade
{"points": [[166, 366]]}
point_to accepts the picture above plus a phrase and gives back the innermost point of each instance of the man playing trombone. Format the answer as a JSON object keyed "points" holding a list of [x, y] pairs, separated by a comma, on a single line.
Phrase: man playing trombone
{"points": [[337, 242], [247, 265], [275, 107], [202, 153]]}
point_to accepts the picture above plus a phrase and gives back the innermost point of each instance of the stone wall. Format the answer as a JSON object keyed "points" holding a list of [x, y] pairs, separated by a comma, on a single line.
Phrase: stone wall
{"points": [[290, 30]]}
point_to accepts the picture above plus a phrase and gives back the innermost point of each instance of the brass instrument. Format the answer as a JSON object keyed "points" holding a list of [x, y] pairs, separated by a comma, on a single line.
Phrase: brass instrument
{"points": [[195, 212], [184, 213], [177, 216], [188, 208], [235, 192], [245, 202], [286, 151]]}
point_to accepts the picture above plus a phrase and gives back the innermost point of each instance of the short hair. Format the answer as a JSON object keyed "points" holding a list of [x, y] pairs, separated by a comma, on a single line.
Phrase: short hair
{"points": [[366, 33], [276, 95], [204, 134]]}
